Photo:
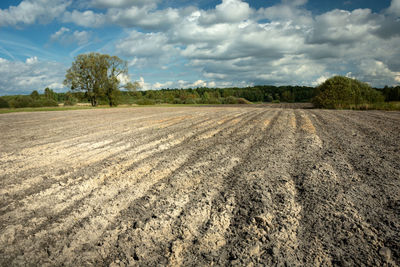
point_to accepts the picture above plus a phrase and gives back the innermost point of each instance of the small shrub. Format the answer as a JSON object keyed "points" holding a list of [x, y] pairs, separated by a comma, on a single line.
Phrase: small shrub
{"points": [[214, 101], [177, 101], [70, 102], [47, 102], [145, 101], [22, 102], [190, 101], [230, 100], [243, 101]]}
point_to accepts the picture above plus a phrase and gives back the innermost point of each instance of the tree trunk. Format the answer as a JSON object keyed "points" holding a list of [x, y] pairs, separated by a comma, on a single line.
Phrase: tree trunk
{"points": [[93, 101]]}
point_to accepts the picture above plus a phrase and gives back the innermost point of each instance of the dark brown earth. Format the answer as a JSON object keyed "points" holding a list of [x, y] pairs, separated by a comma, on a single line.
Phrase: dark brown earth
{"points": [[194, 186]]}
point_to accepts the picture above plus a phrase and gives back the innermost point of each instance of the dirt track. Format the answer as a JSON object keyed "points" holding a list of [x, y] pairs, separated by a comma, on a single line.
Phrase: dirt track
{"points": [[200, 186]]}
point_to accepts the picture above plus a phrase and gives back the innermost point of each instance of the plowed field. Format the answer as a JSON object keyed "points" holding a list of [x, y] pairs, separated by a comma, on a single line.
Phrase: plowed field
{"points": [[197, 186]]}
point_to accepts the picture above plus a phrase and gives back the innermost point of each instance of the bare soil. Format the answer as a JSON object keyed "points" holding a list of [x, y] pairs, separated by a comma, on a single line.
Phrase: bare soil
{"points": [[192, 186]]}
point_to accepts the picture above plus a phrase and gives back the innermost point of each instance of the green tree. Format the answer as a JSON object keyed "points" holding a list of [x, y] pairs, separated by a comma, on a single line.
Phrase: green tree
{"points": [[97, 75], [269, 98], [35, 95], [287, 96], [391, 93], [50, 94], [4, 103]]}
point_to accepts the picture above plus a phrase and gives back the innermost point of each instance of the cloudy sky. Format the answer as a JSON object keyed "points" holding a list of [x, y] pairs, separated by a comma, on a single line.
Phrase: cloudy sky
{"points": [[184, 43]]}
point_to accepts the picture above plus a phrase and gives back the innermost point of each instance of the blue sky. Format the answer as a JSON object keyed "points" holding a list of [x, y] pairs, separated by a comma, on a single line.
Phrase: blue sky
{"points": [[183, 43]]}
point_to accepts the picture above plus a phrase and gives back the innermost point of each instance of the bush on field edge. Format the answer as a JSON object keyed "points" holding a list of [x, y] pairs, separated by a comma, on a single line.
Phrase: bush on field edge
{"points": [[342, 92], [23, 101]]}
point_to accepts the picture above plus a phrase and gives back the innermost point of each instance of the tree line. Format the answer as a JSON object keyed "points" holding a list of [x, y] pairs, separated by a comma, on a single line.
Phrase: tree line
{"points": [[233, 95], [96, 78], [203, 95], [391, 93]]}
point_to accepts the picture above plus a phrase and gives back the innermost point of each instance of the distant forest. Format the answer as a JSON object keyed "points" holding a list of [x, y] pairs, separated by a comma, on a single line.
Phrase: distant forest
{"points": [[256, 94]]}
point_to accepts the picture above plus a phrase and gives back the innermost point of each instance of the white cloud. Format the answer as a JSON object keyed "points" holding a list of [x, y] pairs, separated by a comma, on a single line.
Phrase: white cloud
{"points": [[66, 37], [320, 80], [32, 11], [24, 77], [191, 32], [81, 37], [143, 85], [31, 60], [286, 12], [340, 26], [212, 84], [86, 18], [159, 85], [199, 83], [394, 8], [55, 36], [143, 16], [145, 48], [123, 78], [377, 72], [227, 12]]}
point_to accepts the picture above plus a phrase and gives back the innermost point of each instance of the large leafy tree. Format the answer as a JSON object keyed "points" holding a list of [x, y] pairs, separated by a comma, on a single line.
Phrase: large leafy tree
{"points": [[98, 75]]}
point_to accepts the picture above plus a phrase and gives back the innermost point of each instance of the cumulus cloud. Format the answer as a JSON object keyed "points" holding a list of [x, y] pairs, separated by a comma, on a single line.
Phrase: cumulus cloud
{"points": [[24, 77], [125, 13], [32, 11], [86, 18], [66, 36], [227, 12], [143, 16], [377, 72], [289, 11], [146, 48], [340, 26], [394, 8]]}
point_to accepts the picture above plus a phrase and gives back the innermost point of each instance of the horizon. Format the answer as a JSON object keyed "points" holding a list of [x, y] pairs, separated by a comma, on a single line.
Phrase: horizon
{"points": [[215, 44]]}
